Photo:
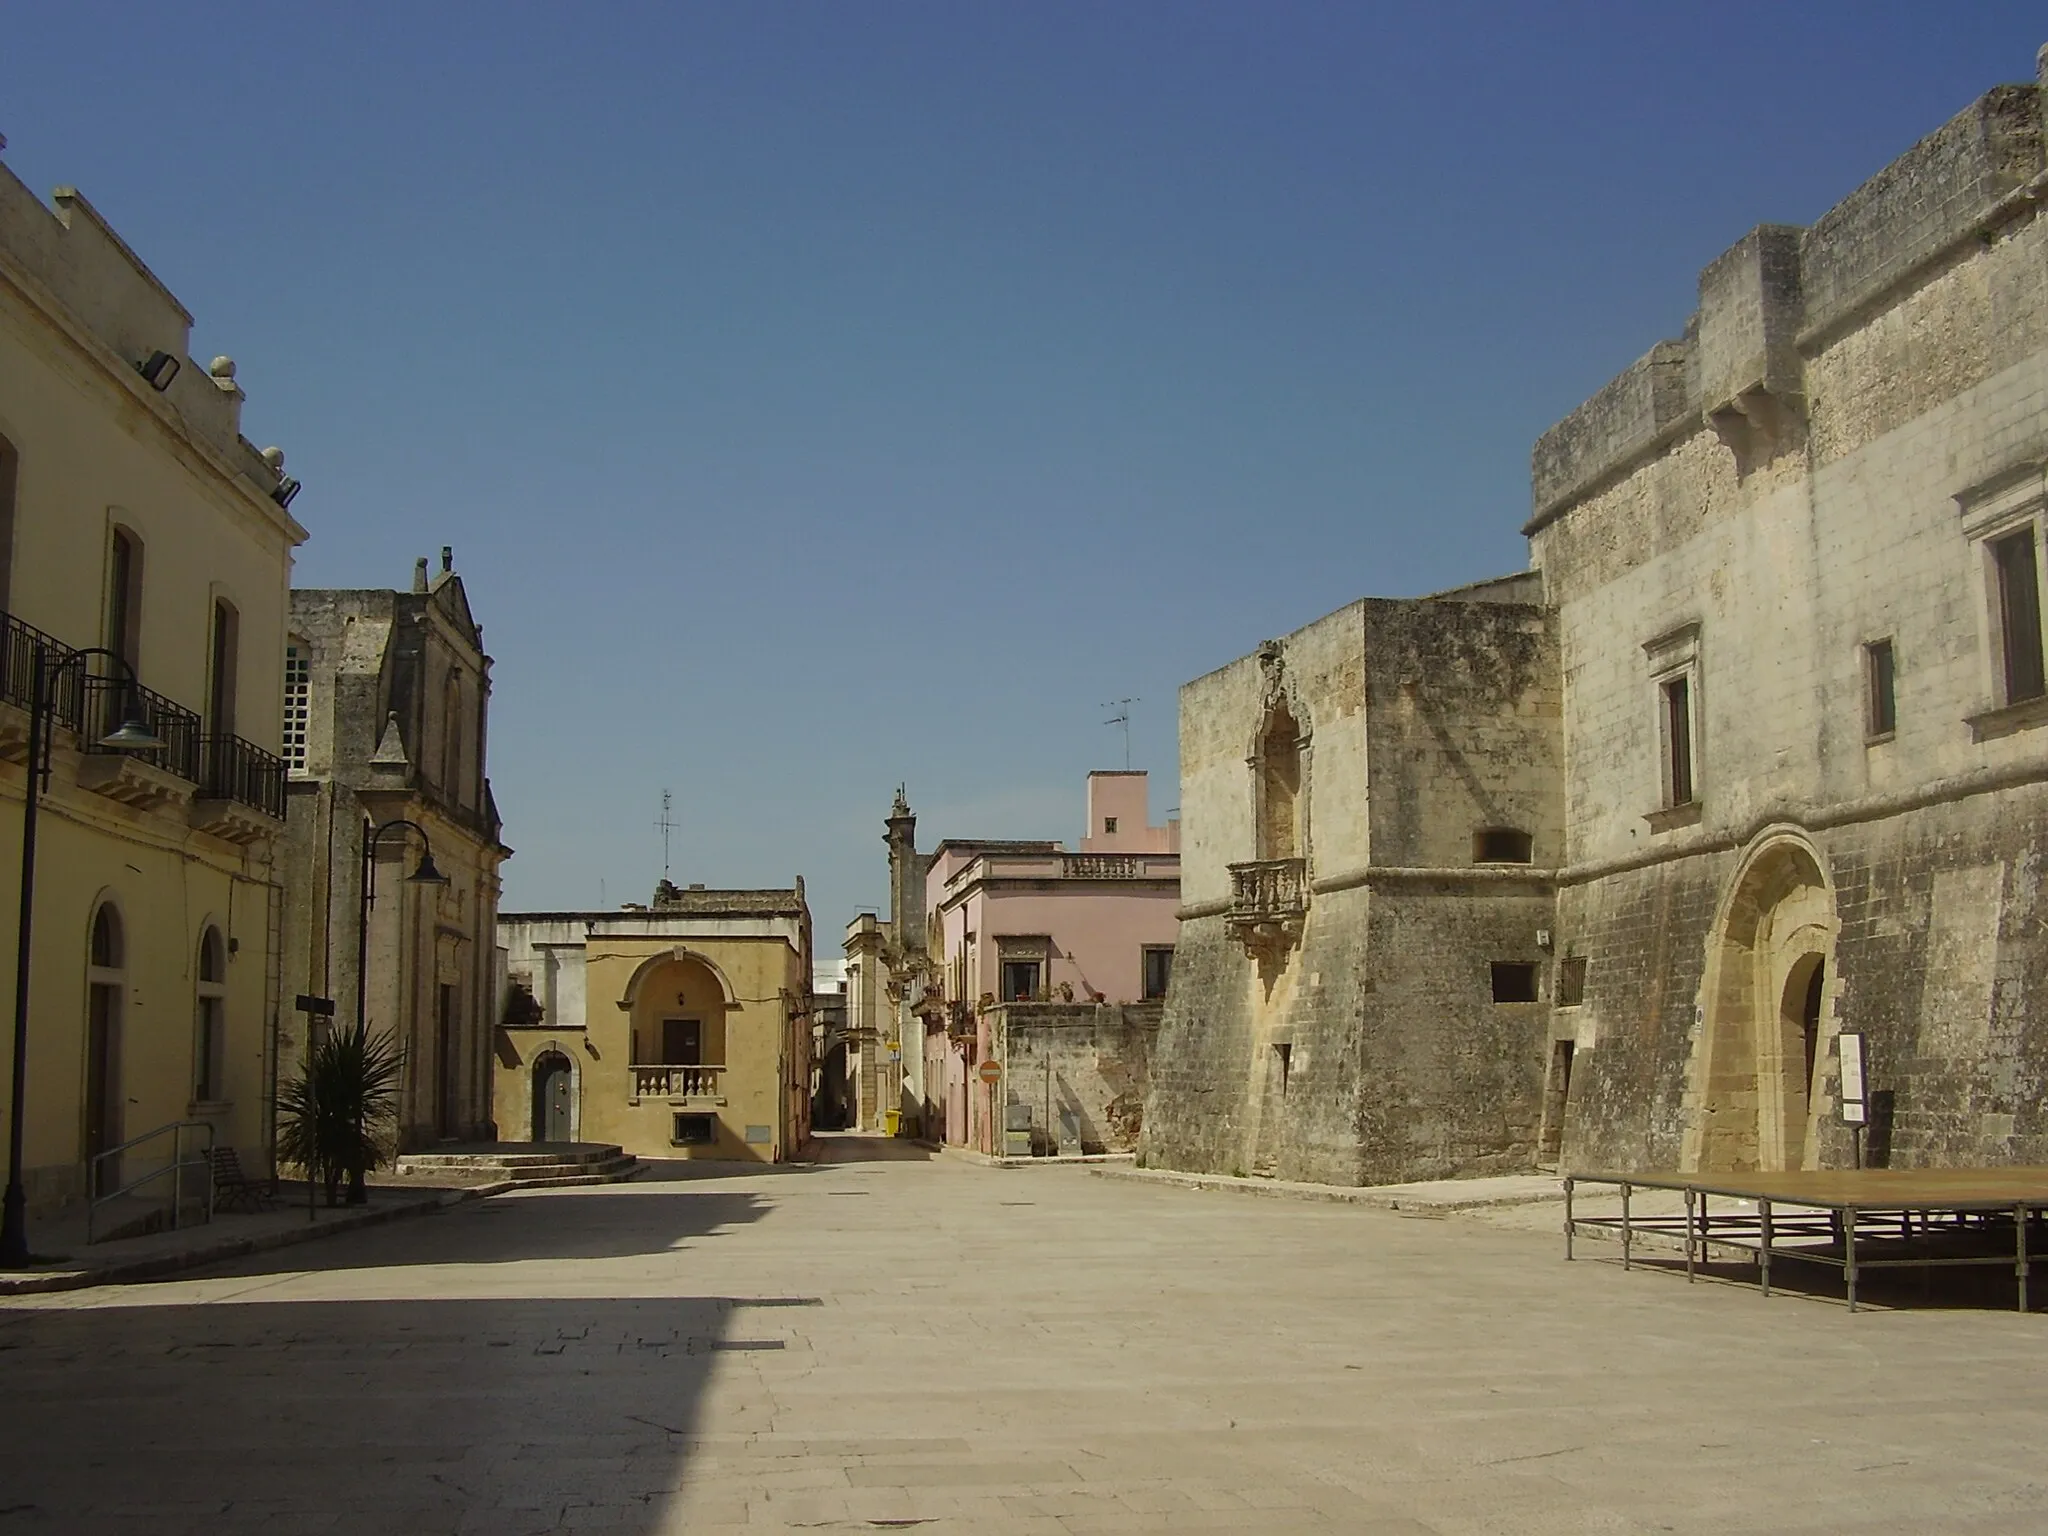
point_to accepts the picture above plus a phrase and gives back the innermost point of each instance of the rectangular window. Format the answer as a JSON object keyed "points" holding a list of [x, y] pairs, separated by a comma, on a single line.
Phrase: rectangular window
{"points": [[1020, 981], [1158, 970], [694, 1131], [2019, 615], [298, 704], [682, 1043], [1678, 762], [1502, 845], [1514, 981], [1283, 1065], [1108, 824], [1571, 981], [220, 701], [1884, 709]]}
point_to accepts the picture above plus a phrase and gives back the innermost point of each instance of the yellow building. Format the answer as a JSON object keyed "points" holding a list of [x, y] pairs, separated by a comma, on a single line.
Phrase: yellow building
{"points": [[134, 517], [680, 1029]]}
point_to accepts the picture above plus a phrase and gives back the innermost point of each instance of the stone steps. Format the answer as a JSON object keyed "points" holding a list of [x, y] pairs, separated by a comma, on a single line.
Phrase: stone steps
{"points": [[548, 1167]]}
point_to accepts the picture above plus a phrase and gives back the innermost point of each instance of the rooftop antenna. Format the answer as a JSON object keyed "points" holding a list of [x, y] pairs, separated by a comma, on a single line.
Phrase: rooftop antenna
{"points": [[1122, 717], [665, 826]]}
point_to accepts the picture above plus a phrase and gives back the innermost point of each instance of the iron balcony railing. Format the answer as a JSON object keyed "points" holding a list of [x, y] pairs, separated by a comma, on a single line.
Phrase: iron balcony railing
{"points": [[19, 644], [110, 701], [241, 771], [1270, 888]]}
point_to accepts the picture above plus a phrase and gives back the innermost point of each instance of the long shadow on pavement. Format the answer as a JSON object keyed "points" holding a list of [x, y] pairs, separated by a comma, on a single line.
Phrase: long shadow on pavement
{"points": [[416, 1416]]}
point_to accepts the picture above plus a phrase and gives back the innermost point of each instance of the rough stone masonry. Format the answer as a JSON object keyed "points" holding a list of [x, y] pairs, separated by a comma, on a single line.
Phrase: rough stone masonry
{"points": [[1753, 757]]}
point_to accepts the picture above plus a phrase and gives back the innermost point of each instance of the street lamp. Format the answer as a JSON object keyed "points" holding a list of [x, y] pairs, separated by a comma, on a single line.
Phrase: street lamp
{"points": [[424, 873], [133, 734]]}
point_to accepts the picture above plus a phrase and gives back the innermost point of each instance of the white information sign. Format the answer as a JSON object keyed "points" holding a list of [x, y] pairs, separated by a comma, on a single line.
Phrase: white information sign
{"points": [[1855, 1105]]}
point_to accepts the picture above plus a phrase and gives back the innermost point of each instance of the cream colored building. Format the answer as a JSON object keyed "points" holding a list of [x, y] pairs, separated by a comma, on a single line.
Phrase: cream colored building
{"points": [[134, 516], [676, 1030], [388, 697]]}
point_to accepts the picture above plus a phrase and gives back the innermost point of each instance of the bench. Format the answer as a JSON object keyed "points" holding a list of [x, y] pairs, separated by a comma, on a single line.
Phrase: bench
{"points": [[231, 1189]]}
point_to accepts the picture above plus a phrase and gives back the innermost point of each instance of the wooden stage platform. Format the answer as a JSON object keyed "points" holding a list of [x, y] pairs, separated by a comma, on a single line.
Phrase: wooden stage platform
{"points": [[1852, 1220]]}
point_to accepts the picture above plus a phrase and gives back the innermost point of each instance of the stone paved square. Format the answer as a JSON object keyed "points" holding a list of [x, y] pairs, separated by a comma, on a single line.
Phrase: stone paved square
{"points": [[925, 1345]]}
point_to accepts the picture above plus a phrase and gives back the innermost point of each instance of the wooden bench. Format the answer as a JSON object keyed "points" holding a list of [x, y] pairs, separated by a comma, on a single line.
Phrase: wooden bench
{"points": [[231, 1189]]}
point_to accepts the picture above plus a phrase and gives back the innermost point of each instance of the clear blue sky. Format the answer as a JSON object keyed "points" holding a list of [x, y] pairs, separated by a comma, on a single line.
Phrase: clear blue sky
{"points": [[824, 395]]}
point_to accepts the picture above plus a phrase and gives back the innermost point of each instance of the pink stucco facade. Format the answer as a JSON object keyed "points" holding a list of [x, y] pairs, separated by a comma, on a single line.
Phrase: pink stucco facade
{"points": [[1010, 921]]}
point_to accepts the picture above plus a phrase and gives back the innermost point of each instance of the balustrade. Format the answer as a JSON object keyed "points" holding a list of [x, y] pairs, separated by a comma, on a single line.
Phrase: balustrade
{"points": [[676, 1082]]}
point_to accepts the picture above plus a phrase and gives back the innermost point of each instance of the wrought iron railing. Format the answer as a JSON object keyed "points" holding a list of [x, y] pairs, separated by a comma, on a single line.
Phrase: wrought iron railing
{"points": [[19, 645], [112, 701], [238, 770], [667, 1082], [1268, 888]]}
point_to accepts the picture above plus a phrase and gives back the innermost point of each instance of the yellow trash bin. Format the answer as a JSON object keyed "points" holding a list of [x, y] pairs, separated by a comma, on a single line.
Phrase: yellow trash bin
{"points": [[892, 1121]]}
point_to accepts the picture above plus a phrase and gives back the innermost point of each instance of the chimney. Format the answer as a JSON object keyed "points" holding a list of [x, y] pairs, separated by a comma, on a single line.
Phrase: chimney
{"points": [[419, 574], [447, 558]]}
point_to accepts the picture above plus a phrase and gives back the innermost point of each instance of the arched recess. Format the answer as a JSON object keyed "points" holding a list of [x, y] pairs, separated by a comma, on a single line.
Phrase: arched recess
{"points": [[666, 995], [557, 1110], [1279, 764], [1758, 1053]]}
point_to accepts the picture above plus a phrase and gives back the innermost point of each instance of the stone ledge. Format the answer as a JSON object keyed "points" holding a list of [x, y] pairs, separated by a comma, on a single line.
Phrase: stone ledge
{"points": [[1438, 1197]]}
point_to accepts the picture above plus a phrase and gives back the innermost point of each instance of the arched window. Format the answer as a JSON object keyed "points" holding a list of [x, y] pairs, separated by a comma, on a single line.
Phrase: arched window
{"points": [[124, 597], [210, 1035], [106, 981]]}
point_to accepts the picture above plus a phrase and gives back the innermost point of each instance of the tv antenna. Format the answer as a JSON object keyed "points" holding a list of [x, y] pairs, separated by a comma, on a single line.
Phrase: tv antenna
{"points": [[665, 825], [1122, 717]]}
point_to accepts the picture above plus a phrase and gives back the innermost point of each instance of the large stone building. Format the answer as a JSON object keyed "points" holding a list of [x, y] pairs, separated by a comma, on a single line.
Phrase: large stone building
{"points": [[1795, 558], [1786, 592], [136, 519], [387, 699], [1369, 807], [677, 1029]]}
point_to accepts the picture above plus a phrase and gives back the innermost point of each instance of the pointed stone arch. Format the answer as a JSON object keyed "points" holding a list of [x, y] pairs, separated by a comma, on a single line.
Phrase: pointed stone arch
{"points": [[1764, 1010]]}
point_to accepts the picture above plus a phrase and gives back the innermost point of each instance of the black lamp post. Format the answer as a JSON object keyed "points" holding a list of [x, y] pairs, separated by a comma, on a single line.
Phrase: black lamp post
{"points": [[424, 873], [134, 734]]}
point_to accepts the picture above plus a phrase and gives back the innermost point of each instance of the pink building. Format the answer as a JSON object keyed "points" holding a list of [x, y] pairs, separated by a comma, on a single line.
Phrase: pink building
{"points": [[1023, 922]]}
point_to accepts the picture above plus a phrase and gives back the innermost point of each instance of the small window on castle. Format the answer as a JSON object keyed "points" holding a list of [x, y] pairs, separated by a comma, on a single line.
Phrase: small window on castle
{"points": [[1571, 981], [1514, 981], [1502, 845], [1883, 715], [2019, 615], [1108, 824], [1678, 759], [694, 1131]]}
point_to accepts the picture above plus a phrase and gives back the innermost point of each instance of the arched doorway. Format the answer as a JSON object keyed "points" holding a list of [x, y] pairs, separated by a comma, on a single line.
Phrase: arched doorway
{"points": [[1279, 785], [1760, 1042], [553, 1098], [105, 983]]}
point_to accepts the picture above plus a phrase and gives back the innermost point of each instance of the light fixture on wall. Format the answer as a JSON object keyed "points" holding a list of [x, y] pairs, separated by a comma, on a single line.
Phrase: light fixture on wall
{"points": [[287, 488], [159, 370]]}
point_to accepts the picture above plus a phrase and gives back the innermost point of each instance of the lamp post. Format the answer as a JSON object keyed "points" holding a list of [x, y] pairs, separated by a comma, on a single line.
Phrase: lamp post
{"points": [[134, 734], [424, 873]]}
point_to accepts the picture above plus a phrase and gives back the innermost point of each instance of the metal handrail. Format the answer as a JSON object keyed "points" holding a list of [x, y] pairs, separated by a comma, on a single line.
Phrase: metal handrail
{"points": [[20, 644], [174, 1167]]}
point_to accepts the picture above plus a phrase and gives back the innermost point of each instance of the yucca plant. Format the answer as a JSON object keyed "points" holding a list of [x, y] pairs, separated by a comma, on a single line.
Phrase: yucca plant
{"points": [[334, 1116]]}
